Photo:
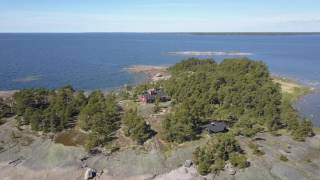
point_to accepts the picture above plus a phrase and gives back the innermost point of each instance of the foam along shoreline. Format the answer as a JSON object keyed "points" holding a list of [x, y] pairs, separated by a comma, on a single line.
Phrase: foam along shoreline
{"points": [[209, 53]]}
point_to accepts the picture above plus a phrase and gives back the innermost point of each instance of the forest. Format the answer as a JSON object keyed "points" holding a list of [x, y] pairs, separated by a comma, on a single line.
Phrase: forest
{"points": [[238, 91]]}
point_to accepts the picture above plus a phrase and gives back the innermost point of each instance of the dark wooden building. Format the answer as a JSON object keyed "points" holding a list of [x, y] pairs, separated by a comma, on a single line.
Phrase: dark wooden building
{"points": [[215, 127], [152, 94]]}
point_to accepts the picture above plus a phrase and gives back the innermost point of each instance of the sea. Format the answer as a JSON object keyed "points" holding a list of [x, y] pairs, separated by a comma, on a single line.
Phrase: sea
{"points": [[91, 61]]}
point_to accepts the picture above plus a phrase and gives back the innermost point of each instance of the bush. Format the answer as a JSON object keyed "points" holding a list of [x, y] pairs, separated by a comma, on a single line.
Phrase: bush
{"points": [[300, 128], [255, 149], [212, 156], [203, 168], [303, 130], [247, 127], [238, 160], [283, 158], [218, 165]]}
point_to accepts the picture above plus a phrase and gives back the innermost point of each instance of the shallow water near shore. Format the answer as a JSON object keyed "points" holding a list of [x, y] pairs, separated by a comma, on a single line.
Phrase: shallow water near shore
{"points": [[97, 60], [309, 107]]}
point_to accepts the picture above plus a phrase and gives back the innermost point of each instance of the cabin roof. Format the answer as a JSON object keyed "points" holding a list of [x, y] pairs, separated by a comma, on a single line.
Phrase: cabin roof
{"points": [[215, 126]]}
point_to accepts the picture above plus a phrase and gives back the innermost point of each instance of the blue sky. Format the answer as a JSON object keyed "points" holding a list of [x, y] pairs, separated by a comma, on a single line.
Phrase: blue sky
{"points": [[159, 15]]}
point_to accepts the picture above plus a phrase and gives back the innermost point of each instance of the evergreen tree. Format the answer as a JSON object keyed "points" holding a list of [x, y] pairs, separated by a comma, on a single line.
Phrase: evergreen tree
{"points": [[96, 104], [101, 118], [180, 125], [136, 127], [303, 130]]}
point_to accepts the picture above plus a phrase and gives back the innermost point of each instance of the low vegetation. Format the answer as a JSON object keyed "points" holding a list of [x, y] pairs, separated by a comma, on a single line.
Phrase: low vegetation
{"points": [[255, 149], [283, 158], [220, 149]]}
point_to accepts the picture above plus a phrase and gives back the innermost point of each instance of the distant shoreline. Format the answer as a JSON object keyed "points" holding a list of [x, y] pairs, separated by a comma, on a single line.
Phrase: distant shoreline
{"points": [[193, 33], [257, 33]]}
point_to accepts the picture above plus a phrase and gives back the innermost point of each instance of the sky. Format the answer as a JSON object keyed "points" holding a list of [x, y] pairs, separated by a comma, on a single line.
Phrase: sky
{"points": [[159, 15]]}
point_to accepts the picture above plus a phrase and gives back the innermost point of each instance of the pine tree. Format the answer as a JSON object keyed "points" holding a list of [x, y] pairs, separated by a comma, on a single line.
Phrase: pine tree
{"points": [[136, 127]]}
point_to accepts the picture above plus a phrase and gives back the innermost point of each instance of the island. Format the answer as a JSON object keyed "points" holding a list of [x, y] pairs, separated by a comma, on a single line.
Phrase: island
{"points": [[195, 119]]}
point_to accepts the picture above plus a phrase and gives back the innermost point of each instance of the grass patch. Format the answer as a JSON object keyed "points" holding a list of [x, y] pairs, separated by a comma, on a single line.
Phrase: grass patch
{"points": [[72, 137], [316, 130], [308, 161], [255, 149]]}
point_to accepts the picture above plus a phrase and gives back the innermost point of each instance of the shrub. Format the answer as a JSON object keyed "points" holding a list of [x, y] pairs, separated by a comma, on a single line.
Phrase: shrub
{"points": [[255, 149], [303, 130], [283, 158], [218, 165], [238, 160], [212, 156]]}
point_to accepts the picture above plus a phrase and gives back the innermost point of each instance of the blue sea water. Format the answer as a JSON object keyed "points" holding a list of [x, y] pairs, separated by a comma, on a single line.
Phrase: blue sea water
{"points": [[97, 60]]}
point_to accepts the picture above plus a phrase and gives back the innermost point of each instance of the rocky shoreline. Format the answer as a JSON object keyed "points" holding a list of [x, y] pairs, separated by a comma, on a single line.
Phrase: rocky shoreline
{"points": [[152, 72]]}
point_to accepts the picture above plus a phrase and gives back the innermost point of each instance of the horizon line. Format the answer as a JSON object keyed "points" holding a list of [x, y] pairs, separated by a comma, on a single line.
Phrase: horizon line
{"points": [[195, 32]]}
